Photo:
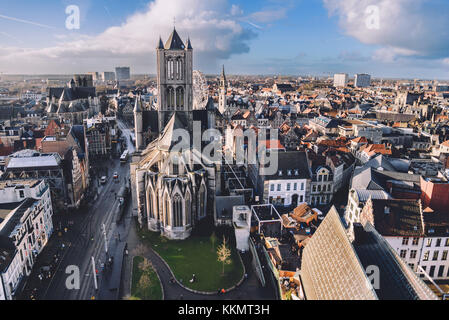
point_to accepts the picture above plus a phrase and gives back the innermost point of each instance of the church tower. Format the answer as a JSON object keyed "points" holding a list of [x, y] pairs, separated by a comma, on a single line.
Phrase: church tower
{"points": [[175, 80], [138, 123], [223, 91]]}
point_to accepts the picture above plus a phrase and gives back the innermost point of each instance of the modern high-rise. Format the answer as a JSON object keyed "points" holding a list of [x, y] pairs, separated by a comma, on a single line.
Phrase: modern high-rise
{"points": [[362, 80], [340, 79], [108, 76], [122, 73]]}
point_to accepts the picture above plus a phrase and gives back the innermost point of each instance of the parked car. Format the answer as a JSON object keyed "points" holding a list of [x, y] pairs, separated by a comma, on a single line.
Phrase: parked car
{"points": [[103, 179]]}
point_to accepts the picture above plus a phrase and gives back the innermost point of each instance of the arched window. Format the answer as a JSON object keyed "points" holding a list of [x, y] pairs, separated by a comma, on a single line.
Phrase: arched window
{"points": [[177, 211], [202, 200], [150, 209], [167, 211], [188, 209], [170, 98], [179, 98]]}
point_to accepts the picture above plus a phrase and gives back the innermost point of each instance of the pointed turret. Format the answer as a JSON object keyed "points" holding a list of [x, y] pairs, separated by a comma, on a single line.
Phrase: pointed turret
{"points": [[189, 45], [161, 44]]}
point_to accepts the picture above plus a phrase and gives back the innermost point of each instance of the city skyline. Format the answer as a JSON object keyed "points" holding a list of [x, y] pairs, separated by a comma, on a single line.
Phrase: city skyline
{"points": [[269, 37]]}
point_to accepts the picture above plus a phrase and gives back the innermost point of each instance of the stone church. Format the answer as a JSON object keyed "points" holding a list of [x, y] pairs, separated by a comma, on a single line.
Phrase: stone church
{"points": [[172, 190]]}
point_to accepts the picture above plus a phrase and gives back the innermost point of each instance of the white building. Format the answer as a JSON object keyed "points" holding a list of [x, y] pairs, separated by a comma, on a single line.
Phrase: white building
{"points": [[362, 80], [25, 227], [291, 183], [340, 79], [241, 219], [420, 238]]}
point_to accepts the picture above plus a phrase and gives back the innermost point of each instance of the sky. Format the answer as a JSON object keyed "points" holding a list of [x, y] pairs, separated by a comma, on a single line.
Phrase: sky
{"points": [[385, 38]]}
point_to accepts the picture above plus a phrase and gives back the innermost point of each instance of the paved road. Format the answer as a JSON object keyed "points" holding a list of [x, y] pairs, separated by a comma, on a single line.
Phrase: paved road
{"points": [[250, 289], [84, 239]]}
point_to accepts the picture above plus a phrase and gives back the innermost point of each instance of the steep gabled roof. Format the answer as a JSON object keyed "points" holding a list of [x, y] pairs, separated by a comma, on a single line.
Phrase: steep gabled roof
{"points": [[168, 139], [330, 267], [174, 42]]}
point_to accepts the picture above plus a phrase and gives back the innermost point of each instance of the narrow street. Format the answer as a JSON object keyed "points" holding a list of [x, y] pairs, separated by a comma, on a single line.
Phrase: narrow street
{"points": [[83, 240]]}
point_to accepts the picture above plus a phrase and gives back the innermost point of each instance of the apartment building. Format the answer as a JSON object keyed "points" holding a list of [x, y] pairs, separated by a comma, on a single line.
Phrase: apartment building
{"points": [[25, 227]]}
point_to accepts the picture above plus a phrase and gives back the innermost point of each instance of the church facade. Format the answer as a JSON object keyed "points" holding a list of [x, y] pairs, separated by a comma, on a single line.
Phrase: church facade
{"points": [[172, 190]]}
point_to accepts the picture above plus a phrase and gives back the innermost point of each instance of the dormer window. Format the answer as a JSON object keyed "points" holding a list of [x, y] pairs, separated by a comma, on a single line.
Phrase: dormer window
{"points": [[289, 172], [280, 172], [296, 172]]}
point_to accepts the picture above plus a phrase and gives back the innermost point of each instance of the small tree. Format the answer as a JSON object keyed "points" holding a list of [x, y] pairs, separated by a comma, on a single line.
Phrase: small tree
{"points": [[223, 253], [145, 265], [144, 282]]}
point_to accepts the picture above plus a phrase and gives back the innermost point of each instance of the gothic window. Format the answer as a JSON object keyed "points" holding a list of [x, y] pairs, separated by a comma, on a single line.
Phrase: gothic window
{"points": [[177, 211], [170, 98], [179, 98], [171, 69], [202, 206], [175, 169], [150, 204], [188, 209], [167, 210]]}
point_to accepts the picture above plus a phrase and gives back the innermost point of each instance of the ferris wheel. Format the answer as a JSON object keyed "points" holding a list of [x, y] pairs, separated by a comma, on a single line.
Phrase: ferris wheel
{"points": [[200, 90]]}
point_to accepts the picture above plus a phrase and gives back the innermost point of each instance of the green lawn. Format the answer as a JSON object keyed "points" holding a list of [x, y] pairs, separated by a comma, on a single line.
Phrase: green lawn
{"points": [[151, 291], [196, 255]]}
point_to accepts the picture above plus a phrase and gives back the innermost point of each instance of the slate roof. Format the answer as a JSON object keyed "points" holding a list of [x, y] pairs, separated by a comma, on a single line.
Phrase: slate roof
{"points": [[396, 280], [174, 42], [404, 217], [70, 94], [290, 160]]}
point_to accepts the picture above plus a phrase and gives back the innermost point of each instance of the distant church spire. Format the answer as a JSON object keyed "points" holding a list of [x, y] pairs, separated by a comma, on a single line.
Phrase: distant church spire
{"points": [[222, 101]]}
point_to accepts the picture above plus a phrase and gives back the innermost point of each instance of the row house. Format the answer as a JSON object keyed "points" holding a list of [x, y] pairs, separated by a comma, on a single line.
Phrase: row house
{"points": [[420, 237], [289, 186], [101, 136], [25, 227], [30, 164]]}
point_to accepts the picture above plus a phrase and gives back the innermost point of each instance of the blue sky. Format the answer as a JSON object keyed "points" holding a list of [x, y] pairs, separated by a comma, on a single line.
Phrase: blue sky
{"points": [[297, 37]]}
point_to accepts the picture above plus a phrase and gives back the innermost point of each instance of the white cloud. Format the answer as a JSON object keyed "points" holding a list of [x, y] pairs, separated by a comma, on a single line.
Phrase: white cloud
{"points": [[214, 35], [268, 15], [405, 27], [236, 10]]}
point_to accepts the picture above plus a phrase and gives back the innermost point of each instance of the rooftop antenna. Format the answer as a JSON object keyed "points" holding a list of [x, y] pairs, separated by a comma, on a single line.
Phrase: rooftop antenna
{"points": [[174, 22]]}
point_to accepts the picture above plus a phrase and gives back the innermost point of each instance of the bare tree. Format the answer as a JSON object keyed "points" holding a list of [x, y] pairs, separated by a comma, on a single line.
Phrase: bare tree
{"points": [[144, 281], [145, 265], [224, 253], [140, 250]]}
